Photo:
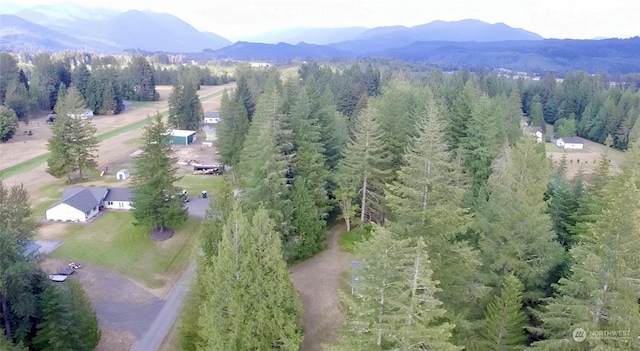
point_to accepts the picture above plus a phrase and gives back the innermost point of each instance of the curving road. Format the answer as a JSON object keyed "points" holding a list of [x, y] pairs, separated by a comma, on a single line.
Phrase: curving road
{"points": [[172, 304]]}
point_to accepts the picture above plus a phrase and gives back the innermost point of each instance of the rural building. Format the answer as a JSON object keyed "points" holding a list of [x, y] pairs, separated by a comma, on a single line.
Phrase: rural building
{"points": [[86, 114], [118, 198], [81, 204], [77, 205], [535, 132], [182, 137], [210, 132], [122, 174], [574, 143], [212, 117]]}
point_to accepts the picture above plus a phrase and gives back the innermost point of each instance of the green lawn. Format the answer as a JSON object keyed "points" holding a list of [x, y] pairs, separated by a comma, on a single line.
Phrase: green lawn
{"points": [[113, 242], [348, 240], [195, 184]]}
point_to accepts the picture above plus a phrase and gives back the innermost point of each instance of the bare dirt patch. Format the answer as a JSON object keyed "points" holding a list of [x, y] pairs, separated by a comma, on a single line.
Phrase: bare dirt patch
{"points": [[115, 340], [317, 280]]}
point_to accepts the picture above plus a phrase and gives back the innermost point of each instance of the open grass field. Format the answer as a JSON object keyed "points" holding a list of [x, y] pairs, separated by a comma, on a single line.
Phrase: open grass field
{"points": [[585, 159], [112, 241], [195, 184]]}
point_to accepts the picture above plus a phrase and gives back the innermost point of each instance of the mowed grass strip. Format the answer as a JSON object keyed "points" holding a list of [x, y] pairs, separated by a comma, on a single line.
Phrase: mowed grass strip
{"points": [[195, 184], [113, 242]]}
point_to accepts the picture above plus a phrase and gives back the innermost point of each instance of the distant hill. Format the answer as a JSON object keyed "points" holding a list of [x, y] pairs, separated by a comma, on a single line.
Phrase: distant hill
{"points": [[19, 34], [109, 30], [276, 53], [319, 36], [382, 38], [152, 31]]}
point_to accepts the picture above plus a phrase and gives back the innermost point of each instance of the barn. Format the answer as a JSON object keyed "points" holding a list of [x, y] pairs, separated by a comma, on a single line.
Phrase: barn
{"points": [[575, 143], [182, 137]]}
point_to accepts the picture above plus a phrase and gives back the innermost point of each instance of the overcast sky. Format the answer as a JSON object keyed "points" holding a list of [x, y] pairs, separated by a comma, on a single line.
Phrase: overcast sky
{"points": [[238, 19]]}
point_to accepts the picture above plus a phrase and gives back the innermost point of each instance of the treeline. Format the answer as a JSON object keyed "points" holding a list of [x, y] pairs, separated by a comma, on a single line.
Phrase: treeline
{"points": [[477, 239], [35, 313], [31, 83], [587, 106]]}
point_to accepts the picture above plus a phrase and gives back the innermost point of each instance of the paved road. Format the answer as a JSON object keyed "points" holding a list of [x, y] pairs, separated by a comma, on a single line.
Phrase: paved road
{"points": [[172, 304], [158, 330]]}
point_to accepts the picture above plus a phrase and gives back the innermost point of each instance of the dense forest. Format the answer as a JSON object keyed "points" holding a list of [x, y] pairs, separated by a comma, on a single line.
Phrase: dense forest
{"points": [[475, 239]]}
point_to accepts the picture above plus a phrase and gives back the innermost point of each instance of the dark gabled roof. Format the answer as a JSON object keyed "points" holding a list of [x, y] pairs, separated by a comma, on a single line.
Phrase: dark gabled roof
{"points": [[119, 194], [29, 248], [82, 199], [573, 140], [534, 129], [212, 114]]}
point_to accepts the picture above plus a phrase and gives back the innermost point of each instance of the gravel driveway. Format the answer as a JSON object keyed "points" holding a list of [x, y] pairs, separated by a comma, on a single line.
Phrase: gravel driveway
{"points": [[317, 280]]}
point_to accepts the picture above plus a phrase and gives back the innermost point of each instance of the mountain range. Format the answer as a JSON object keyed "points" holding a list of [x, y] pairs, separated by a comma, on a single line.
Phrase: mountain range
{"points": [[467, 43]]}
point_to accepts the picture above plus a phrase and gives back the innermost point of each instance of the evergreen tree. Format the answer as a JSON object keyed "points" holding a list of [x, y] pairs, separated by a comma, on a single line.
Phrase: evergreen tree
{"points": [[254, 305], [80, 77], [333, 126], [244, 97], [16, 274], [505, 322], [392, 306], [56, 331], [85, 320], [156, 203], [601, 292], [515, 229], [185, 109], [425, 202], [367, 163], [536, 115], [140, 82], [264, 166], [8, 124], [17, 98], [232, 130], [73, 142], [479, 147]]}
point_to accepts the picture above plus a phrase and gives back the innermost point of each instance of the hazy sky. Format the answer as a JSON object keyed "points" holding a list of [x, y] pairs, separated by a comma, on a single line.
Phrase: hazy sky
{"points": [[237, 19]]}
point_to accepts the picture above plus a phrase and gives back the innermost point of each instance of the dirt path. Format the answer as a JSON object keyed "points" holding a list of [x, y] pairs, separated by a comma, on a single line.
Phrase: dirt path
{"points": [[317, 280]]}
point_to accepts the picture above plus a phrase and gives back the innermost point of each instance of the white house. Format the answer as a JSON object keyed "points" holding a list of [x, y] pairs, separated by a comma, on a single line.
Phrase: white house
{"points": [[77, 205], [118, 198], [81, 204], [535, 132], [212, 117], [574, 143]]}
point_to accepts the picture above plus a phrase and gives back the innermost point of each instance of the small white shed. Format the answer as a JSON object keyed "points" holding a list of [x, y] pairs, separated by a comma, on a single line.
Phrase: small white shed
{"points": [[122, 174]]}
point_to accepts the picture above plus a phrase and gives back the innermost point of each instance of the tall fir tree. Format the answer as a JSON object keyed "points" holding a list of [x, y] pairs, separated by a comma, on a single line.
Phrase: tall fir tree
{"points": [[85, 320], [185, 108], [254, 305], [56, 331], [232, 130], [156, 203], [426, 201], [515, 229], [366, 162], [263, 168], [392, 306], [73, 143], [505, 321]]}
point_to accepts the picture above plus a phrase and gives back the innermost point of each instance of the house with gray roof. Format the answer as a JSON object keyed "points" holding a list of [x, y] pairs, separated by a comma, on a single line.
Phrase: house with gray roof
{"points": [[79, 204]]}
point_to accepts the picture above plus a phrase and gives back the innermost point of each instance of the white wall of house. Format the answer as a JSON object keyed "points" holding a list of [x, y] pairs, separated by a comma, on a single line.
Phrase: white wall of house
{"points": [[117, 205], [573, 146], [64, 212], [211, 120]]}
